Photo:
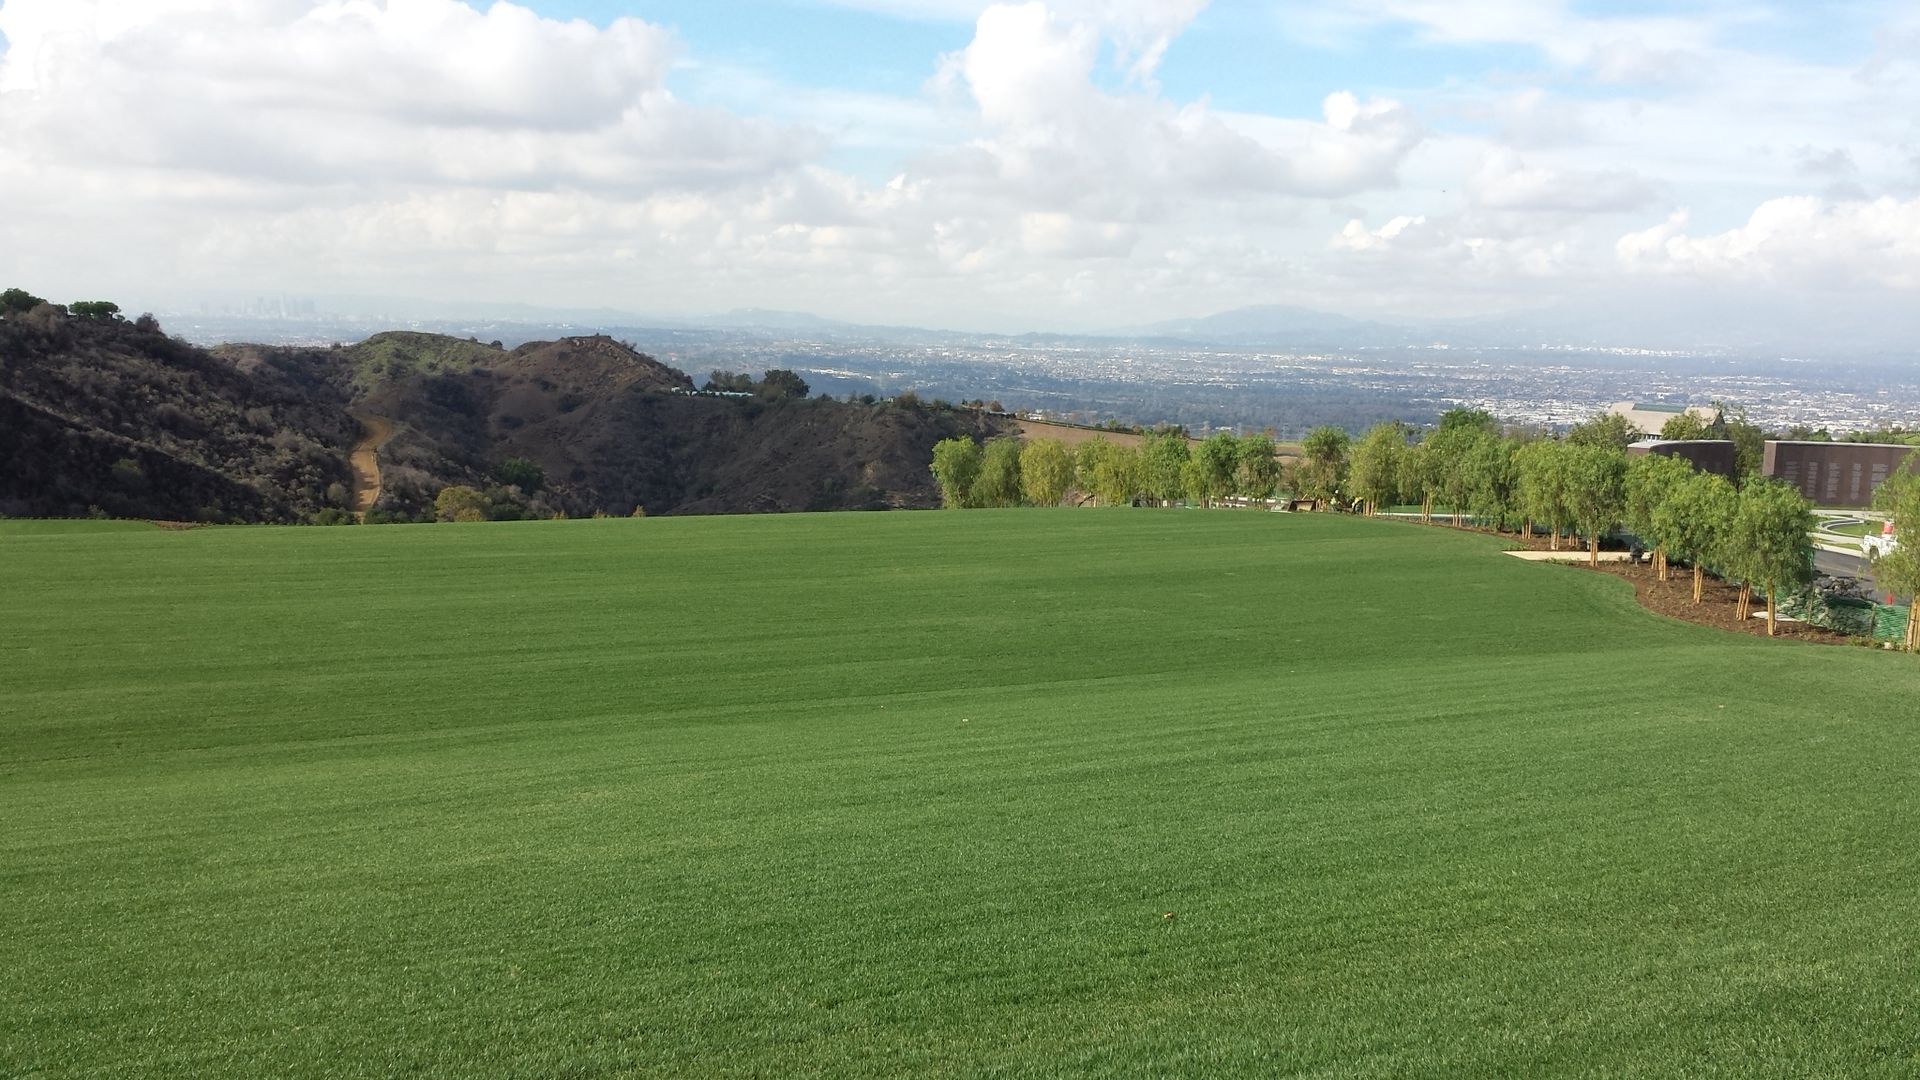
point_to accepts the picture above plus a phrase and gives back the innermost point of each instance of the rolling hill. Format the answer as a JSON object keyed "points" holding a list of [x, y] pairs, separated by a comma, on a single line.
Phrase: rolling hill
{"points": [[107, 417]]}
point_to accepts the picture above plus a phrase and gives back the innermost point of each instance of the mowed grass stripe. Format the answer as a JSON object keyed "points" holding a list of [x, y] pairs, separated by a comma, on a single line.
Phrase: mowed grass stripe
{"points": [[864, 794]]}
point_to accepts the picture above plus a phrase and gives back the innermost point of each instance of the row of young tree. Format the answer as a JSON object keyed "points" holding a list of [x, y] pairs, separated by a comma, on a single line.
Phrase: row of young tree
{"points": [[1756, 533], [1164, 467]]}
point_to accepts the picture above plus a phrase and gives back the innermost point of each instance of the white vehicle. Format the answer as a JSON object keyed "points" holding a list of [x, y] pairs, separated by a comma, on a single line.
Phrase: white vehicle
{"points": [[1875, 546]]}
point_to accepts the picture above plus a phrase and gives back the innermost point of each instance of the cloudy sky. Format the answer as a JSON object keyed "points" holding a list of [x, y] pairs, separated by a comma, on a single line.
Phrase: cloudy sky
{"points": [[1060, 164]]}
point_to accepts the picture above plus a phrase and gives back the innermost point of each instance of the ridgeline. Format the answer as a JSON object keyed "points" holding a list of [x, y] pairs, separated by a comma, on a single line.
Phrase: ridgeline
{"points": [[100, 416]]}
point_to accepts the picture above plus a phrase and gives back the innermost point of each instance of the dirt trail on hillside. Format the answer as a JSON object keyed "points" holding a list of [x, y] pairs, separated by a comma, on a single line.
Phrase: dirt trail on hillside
{"points": [[365, 462]]}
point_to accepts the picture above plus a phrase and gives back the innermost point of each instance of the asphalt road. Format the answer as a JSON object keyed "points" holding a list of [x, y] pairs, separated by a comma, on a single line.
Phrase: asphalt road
{"points": [[1828, 562], [1854, 566]]}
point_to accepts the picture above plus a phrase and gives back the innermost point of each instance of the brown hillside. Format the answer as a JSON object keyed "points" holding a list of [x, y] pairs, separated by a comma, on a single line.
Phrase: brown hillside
{"points": [[112, 416], [613, 429], [115, 417]]}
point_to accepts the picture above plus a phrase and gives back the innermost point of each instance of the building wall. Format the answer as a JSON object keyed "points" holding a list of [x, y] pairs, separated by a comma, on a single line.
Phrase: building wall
{"points": [[1705, 455], [1834, 474]]}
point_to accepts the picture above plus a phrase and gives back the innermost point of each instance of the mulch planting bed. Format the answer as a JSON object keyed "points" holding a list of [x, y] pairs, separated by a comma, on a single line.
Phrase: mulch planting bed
{"points": [[1674, 597]]}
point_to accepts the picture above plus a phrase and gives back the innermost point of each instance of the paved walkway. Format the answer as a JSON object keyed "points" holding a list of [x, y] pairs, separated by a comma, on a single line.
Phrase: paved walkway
{"points": [[1567, 556]]}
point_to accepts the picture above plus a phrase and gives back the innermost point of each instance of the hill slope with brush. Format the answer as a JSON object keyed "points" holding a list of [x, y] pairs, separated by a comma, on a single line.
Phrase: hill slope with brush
{"points": [[104, 416]]}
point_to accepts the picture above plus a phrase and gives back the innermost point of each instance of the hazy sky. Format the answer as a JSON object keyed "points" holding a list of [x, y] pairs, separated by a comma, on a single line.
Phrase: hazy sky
{"points": [[1055, 165]]}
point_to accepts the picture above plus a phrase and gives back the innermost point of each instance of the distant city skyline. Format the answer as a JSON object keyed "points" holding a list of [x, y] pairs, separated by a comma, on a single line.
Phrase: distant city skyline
{"points": [[1070, 165]]}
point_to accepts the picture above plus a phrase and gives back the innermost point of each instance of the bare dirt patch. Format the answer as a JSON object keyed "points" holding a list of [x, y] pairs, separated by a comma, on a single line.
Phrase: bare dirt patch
{"points": [[364, 459]]}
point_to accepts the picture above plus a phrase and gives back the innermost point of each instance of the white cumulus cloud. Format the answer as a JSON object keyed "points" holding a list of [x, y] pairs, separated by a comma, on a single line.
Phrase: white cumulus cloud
{"points": [[1504, 181], [1798, 240], [349, 91]]}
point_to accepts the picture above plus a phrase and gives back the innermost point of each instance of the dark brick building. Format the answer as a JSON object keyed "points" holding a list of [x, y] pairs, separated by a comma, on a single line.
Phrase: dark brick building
{"points": [[1834, 474], [1705, 455]]}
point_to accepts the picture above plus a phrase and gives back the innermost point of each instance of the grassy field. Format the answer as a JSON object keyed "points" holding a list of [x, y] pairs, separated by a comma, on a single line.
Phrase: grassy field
{"points": [[984, 793], [1855, 528]]}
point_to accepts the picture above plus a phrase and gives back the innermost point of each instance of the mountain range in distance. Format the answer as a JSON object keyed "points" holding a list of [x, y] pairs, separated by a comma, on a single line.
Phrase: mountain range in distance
{"points": [[1817, 326]]}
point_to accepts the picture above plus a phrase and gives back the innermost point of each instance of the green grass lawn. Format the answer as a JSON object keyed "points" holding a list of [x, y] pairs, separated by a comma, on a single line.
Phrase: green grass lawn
{"points": [[1857, 528], [915, 793]]}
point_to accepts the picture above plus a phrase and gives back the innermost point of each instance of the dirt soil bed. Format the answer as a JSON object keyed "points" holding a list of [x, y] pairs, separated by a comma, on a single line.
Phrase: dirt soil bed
{"points": [[1674, 597]]}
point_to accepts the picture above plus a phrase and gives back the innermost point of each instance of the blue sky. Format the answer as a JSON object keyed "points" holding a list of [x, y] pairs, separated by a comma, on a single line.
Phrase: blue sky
{"points": [[1049, 164], [1237, 55]]}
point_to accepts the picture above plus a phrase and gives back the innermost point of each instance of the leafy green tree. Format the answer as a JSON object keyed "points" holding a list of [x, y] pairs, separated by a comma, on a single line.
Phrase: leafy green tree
{"points": [[1373, 467], [1195, 481], [779, 383], [1683, 426], [729, 382], [998, 483], [1323, 463], [1651, 480], [1769, 543], [1806, 433], [1215, 462], [1606, 430], [1450, 451], [1416, 477], [521, 473], [1166, 455], [1749, 442], [1258, 473], [1494, 494], [1046, 471], [956, 465], [1542, 487], [1898, 570], [1119, 475], [1692, 522], [457, 502], [18, 302], [1087, 460], [1596, 492], [1463, 417], [94, 309]]}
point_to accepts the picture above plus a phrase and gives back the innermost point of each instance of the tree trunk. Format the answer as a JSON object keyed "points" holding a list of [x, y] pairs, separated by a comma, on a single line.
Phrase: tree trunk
{"points": [[1553, 543], [1772, 616], [1593, 550], [1913, 623], [1740, 606], [1660, 563], [1699, 581]]}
